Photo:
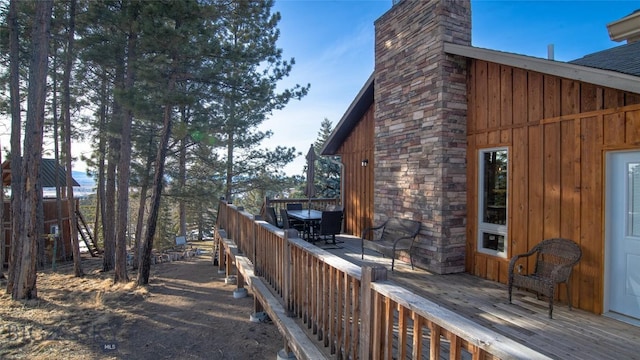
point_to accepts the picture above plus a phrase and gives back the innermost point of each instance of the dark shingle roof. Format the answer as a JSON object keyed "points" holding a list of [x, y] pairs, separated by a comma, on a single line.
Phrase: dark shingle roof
{"points": [[623, 59]]}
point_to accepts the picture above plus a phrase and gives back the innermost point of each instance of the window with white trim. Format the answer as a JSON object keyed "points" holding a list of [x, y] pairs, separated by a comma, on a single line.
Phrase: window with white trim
{"points": [[492, 201]]}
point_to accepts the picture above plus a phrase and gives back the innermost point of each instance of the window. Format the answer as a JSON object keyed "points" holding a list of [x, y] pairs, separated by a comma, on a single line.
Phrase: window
{"points": [[492, 201]]}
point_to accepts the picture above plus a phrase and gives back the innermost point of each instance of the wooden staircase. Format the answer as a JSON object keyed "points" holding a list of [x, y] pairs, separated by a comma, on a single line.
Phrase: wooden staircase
{"points": [[85, 233]]}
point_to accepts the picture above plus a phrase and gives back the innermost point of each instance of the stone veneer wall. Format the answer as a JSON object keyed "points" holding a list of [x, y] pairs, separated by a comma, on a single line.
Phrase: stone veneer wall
{"points": [[420, 126]]}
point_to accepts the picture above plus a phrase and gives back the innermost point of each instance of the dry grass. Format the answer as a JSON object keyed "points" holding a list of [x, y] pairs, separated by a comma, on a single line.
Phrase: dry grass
{"points": [[187, 312], [71, 316]]}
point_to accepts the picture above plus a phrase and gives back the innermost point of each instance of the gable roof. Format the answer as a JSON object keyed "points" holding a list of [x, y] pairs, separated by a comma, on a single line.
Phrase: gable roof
{"points": [[47, 174], [622, 75], [607, 78], [350, 119], [623, 59]]}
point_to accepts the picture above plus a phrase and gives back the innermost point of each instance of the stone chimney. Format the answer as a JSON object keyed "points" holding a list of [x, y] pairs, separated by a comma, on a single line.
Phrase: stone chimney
{"points": [[420, 126], [627, 28]]}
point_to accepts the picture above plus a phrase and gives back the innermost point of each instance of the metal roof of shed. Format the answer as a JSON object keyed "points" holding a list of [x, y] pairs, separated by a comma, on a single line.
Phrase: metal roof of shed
{"points": [[47, 174]]}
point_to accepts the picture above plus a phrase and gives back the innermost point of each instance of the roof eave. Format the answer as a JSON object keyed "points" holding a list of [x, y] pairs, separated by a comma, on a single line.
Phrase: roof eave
{"points": [[607, 78], [350, 118]]}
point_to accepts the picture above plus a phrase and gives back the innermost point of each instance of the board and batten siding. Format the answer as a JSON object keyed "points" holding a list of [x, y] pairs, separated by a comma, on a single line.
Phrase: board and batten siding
{"points": [[557, 132], [358, 180]]}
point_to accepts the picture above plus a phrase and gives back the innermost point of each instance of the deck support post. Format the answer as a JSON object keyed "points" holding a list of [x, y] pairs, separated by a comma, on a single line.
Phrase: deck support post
{"points": [[370, 274], [257, 305], [222, 257]]}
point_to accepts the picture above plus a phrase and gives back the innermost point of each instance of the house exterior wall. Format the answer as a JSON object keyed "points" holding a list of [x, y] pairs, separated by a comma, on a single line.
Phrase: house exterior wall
{"points": [[420, 124], [358, 179], [557, 132]]}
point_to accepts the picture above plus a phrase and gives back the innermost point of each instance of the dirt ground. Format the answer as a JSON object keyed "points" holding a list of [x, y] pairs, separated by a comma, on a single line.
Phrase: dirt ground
{"points": [[187, 312]]}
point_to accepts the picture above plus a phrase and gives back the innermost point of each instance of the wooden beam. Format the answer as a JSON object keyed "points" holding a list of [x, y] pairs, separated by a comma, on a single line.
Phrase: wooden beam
{"points": [[369, 275]]}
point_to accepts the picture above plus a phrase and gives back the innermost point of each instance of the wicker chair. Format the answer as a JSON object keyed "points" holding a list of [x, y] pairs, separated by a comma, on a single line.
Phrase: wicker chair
{"points": [[555, 259]]}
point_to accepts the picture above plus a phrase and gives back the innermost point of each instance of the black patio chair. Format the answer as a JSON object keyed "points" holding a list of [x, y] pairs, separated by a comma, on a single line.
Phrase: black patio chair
{"points": [[271, 217], [330, 225], [294, 206], [288, 223]]}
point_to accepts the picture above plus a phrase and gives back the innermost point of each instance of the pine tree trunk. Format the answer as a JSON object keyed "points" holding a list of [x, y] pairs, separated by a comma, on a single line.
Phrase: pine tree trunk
{"points": [[73, 228], [2, 231], [124, 164], [15, 254], [147, 244], [24, 286], [182, 178], [56, 155], [100, 187], [109, 221], [141, 207]]}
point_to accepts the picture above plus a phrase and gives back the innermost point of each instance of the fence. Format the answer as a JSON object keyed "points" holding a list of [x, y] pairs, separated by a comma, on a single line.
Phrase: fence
{"points": [[346, 311]]}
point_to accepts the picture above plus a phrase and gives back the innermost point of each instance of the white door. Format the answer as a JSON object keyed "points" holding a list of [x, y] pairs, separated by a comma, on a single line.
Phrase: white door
{"points": [[623, 232]]}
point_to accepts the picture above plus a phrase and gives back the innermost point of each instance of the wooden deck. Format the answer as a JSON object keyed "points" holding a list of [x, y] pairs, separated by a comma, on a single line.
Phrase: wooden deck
{"points": [[574, 334]]}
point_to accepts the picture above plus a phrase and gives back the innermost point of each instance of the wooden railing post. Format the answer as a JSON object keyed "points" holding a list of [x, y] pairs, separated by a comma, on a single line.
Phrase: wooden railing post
{"points": [[254, 246], [287, 286], [227, 215], [237, 236], [370, 274]]}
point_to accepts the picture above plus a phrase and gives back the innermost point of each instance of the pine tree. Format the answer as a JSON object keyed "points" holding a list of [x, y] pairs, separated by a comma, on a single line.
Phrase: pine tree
{"points": [[327, 181], [253, 65], [29, 230]]}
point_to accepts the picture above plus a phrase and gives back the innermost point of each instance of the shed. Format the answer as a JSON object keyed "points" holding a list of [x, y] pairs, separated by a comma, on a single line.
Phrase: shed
{"points": [[48, 178]]}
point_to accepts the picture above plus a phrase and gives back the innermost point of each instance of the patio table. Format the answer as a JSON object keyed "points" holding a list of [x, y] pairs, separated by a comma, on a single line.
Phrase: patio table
{"points": [[309, 218]]}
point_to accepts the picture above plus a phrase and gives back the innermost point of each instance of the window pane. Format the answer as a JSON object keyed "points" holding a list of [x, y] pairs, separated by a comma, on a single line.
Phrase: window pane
{"points": [[493, 241], [634, 199], [495, 187]]}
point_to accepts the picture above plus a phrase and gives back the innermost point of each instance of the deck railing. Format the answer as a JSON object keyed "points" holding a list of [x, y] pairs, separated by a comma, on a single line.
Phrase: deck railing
{"points": [[352, 312], [313, 203]]}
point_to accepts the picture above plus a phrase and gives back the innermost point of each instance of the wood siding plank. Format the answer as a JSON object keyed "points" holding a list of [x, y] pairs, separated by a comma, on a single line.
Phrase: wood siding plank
{"points": [[480, 100], [494, 104], [518, 190], [590, 268], [551, 180], [519, 96], [506, 96], [557, 130], [632, 136], [472, 201]]}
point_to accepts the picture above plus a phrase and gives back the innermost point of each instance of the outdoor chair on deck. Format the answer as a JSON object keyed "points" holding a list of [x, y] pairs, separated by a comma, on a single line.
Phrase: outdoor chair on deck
{"points": [[294, 206], [271, 217], [289, 223], [396, 235], [330, 225], [554, 261]]}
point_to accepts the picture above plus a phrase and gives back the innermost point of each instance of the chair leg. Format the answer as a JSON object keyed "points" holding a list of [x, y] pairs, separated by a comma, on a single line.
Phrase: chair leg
{"points": [[510, 290], [393, 259], [551, 304], [568, 293]]}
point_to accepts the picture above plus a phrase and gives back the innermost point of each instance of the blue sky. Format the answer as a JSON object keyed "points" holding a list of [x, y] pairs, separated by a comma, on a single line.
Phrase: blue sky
{"points": [[333, 45]]}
